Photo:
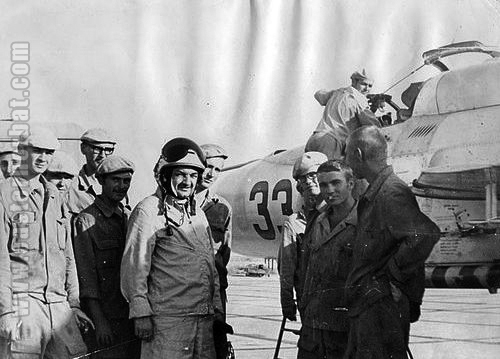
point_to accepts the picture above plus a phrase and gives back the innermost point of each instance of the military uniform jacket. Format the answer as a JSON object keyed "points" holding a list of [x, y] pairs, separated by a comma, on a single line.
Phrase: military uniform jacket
{"points": [[288, 258], [171, 275], [82, 193], [323, 300], [36, 254], [99, 244], [394, 238], [219, 216]]}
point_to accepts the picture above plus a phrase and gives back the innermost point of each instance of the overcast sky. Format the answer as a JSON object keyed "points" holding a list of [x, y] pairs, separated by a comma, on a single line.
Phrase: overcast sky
{"points": [[238, 73]]}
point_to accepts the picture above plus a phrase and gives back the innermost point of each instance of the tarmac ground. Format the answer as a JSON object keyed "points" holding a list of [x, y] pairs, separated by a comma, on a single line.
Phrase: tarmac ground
{"points": [[455, 323]]}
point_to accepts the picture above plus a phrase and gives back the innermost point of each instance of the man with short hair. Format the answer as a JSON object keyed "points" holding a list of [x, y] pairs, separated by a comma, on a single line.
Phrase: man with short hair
{"points": [[9, 162], [61, 172], [394, 238], [100, 240], [346, 109], [292, 251], [168, 273], [324, 330], [39, 305], [96, 145], [218, 212]]}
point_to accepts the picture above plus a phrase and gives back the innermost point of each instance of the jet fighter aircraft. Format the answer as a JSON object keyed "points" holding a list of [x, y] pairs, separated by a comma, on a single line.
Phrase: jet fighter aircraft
{"points": [[445, 145]]}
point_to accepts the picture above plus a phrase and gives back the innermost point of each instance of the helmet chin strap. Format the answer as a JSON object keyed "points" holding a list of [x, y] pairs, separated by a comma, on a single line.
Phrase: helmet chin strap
{"points": [[182, 202]]}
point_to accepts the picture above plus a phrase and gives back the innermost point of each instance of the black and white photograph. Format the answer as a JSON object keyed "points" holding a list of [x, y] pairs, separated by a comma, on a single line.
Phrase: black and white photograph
{"points": [[250, 179]]}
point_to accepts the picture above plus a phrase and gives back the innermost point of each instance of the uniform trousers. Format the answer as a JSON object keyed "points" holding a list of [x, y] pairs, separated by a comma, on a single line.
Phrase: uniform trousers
{"points": [[44, 330], [381, 331], [328, 143], [321, 343], [188, 337]]}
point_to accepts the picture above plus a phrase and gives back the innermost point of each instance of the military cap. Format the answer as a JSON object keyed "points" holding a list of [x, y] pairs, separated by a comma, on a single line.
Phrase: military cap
{"points": [[40, 138], [8, 152], [63, 163], [308, 162], [98, 135], [114, 164], [357, 75], [211, 151], [183, 152]]}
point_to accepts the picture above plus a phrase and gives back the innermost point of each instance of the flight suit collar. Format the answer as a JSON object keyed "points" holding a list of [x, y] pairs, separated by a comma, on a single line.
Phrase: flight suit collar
{"points": [[177, 212], [106, 209]]}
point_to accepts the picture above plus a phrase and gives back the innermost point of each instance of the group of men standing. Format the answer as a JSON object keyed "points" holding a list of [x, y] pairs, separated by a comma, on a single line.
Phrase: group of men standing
{"points": [[355, 259], [75, 260]]}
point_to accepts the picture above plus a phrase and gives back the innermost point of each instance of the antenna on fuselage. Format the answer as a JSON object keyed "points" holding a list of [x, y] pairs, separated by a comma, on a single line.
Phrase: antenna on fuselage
{"points": [[404, 78]]}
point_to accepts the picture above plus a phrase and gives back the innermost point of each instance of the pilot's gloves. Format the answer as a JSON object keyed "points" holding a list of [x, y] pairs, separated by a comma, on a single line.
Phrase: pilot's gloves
{"points": [[290, 312]]}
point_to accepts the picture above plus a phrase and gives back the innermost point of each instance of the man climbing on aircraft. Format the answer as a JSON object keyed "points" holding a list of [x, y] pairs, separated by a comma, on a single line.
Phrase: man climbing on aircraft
{"points": [[168, 272], [346, 109], [218, 213], [292, 251], [394, 238], [325, 325]]}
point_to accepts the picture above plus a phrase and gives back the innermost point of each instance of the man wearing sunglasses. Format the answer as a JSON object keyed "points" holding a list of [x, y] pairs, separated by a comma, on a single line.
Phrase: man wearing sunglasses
{"points": [[96, 145], [346, 109]]}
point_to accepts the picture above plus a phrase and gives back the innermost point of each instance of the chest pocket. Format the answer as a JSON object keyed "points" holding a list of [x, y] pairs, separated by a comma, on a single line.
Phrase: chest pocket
{"points": [[25, 233], [107, 252], [172, 242]]}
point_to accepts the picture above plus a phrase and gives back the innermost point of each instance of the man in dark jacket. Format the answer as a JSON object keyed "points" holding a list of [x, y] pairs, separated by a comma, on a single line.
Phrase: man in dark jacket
{"points": [[394, 238], [324, 322], [99, 243]]}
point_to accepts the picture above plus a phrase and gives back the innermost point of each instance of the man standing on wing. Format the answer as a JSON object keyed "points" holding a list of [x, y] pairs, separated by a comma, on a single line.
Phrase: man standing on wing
{"points": [[394, 238], [346, 109], [168, 273]]}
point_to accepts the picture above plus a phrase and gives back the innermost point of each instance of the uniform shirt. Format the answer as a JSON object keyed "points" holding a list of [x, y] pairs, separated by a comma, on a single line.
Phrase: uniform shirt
{"points": [[36, 254], [394, 238], [169, 275], [323, 298], [288, 258], [346, 109], [99, 244], [219, 213], [82, 192]]}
